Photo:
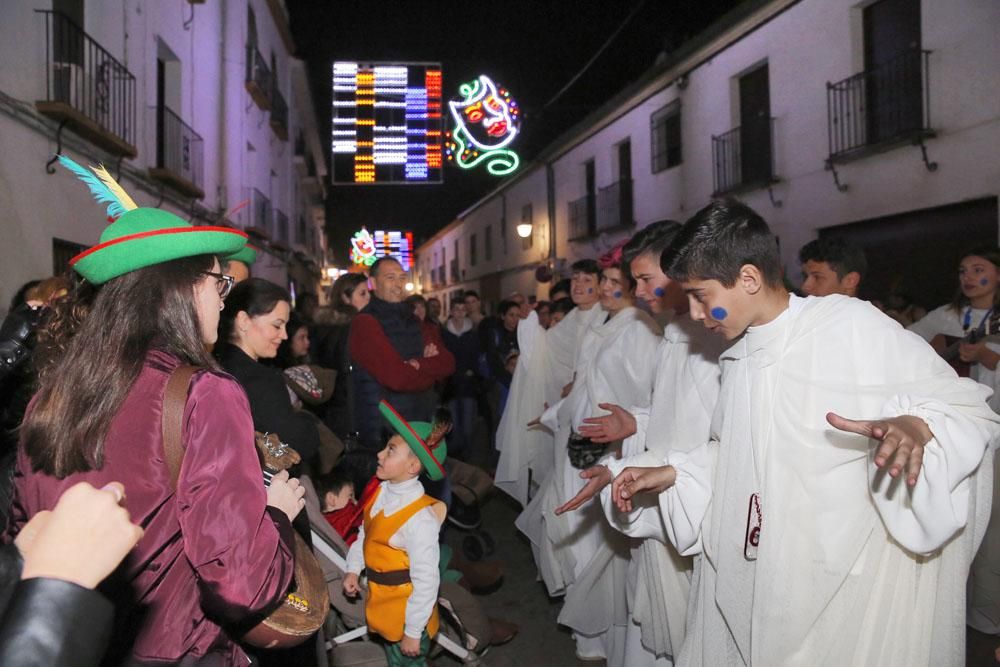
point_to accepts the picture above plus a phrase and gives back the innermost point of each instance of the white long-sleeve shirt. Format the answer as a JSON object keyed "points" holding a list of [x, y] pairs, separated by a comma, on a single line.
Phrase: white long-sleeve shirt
{"points": [[418, 537]]}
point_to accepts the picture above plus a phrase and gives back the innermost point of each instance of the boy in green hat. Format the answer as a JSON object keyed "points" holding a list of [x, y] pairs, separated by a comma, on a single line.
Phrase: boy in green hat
{"points": [[398, 542]]}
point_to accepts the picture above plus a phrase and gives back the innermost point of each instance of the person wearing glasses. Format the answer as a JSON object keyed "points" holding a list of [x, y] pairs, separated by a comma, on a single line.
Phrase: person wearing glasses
{"points": [[217, 547], [252, 328]]}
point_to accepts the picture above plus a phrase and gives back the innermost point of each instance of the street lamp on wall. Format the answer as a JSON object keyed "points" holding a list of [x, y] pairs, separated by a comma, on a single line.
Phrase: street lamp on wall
{"points": [[524, 230]]}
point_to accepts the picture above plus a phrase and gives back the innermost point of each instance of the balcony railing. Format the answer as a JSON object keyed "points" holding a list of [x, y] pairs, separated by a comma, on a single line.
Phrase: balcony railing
{"points": [[260, 214], [614, 206], [582, 214], [258, 78], [279, 114], [743, 157], [280, 231], [86, 87], [882, 105], [179, 153]]}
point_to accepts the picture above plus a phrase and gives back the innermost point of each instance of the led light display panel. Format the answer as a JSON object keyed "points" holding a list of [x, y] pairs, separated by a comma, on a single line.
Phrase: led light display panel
{"points": [[386, 123]]}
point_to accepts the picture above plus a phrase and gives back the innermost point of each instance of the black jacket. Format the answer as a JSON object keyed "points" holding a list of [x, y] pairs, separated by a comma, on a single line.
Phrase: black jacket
{"points": [[48, 621], [270, 404]]}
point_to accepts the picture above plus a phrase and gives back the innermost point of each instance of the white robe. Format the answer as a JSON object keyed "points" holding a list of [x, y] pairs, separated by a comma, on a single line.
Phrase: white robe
{"points": [[546, 364], [853, 568], [616, 365], [984, 575], [676, 423]]}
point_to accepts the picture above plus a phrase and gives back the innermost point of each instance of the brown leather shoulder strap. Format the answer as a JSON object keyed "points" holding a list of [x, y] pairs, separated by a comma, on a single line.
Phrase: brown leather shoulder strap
{"points": [[174, 400]]}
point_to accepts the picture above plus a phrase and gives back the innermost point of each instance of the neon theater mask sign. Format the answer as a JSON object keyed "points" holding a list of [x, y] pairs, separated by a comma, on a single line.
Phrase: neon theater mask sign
{"points": [[487, 120], [367, 247]]}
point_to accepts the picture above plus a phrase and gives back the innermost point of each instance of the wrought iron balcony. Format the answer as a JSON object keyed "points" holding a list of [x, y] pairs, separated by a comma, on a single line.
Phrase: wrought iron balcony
{"points": [[279, 114], [86, 88], [179, 153], [260, 215], [880, 106], [743, 158], [582, 217], [280, 231], [614, 206], [258, 78]]}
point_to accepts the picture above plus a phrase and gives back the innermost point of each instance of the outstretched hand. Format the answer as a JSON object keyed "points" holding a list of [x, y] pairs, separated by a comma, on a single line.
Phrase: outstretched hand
{"points": [[902, 441], [597, 478], [635, 480], [618, 425]]}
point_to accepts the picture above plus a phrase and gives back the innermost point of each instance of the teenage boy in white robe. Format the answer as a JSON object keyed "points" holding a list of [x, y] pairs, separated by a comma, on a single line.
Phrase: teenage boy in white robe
{"points": [[546, 365], [677, 421], [587, 557], [849, 475]]}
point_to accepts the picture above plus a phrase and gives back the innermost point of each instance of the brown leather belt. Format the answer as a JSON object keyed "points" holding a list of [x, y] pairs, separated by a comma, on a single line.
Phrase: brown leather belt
{"points": [[389, 578]]}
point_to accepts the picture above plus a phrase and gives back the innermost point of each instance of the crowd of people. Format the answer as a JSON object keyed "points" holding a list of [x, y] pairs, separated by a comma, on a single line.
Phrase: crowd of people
{"points": [[713, 470]]}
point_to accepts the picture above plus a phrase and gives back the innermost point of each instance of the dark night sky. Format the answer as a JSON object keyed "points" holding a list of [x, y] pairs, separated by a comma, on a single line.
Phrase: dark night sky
{"points": [[533, 47]]}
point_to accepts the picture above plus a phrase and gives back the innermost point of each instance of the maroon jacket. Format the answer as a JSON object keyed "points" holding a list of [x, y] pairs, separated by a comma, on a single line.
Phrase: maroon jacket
{"points": [[212, 552]]}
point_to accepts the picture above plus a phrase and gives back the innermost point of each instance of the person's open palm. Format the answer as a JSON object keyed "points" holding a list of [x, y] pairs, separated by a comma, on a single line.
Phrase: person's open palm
{"points": [[617, 425], [597, 478]]}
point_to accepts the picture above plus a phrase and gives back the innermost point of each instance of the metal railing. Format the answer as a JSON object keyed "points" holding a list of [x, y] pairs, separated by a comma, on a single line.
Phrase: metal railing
{"points": [[882, 104], [258, 77], [280, 226], [279, 114], [614, 206], [743, 157], [582, 214], [178, 147], [83, 75], [260, 211]]}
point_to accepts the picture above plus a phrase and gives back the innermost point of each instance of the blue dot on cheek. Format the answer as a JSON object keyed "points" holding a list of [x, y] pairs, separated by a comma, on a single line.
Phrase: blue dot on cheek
{"points": [[984, 282], [590, 290], [659, 291], [718, 313], [618, 295]]}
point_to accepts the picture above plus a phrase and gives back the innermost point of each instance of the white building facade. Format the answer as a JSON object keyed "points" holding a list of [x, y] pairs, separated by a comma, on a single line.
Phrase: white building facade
{"points": [[879, 121], [196, 108]]}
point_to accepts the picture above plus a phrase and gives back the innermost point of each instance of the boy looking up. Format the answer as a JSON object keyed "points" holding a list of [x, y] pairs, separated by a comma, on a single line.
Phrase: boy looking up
{"points": [[827, 540], [398, 541]]}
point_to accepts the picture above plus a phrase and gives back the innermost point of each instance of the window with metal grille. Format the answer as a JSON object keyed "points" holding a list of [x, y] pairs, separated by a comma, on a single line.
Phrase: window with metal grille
{"points": [[665, 134]]}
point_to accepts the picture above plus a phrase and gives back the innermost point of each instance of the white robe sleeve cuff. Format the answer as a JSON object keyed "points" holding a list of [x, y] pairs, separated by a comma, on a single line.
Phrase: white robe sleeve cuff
{"points": [[644, 520], [684, 504], [550, 418], [923, 517]]}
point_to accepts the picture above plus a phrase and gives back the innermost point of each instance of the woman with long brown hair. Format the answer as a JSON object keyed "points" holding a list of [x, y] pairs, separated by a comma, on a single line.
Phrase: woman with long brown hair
{"points": [[217, 548]]}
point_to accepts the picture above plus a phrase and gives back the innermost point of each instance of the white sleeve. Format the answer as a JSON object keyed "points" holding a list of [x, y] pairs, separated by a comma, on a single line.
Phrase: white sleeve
{"points": [[684, 504], [923, 517], [550, 418], [644, 520], [356, 554], [420, 539]]}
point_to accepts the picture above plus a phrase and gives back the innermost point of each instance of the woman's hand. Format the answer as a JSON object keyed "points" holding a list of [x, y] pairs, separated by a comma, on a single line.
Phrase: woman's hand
{"points": [[286, 495], [82, 540]]}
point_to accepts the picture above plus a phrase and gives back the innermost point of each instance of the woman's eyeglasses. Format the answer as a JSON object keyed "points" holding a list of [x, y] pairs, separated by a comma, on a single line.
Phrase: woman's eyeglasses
{"points": [[223, 283]]}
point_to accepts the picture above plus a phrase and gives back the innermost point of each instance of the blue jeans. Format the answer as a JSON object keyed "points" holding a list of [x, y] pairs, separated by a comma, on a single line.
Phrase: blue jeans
{"points": [[463, 416]]}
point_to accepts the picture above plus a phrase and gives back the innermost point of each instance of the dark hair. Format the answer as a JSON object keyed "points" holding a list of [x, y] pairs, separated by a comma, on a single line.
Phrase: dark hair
{"points": [[285, 358], [95, 348], [563, 305], [343, 287], [991, 254], [652, 240], [306, 297], [563, 285], [720, 239], [458, 301], [842, 255], [333, 482], [543, 304], [373, 271], [586, 266], [505, 306], [359, 466], [412, 302], [433, 298], [253, 296], [19, 297]]}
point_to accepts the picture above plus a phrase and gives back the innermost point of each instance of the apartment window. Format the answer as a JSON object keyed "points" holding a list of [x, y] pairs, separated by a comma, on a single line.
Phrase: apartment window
{"points": [[503, 232], [488, 243], [62, 253], [472, 250], [665, 133]]}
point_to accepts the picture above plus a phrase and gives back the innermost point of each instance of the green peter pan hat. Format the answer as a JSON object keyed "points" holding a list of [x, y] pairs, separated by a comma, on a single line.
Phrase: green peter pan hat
{"points": [[426, 440], [247, 255], [141, 237]]}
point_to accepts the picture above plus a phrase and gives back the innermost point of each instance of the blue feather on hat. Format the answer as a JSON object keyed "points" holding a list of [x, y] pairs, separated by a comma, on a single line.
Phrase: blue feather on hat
{"points": [[102, 186]]}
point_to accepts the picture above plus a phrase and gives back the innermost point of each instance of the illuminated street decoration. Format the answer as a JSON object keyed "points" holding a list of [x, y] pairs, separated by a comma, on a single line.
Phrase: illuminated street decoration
{"points": [[387, 123], [486, 120], [363, 248]]}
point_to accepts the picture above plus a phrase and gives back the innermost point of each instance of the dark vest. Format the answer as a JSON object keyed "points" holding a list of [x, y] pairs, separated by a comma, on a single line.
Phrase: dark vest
{"points": [[404, 334]]}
